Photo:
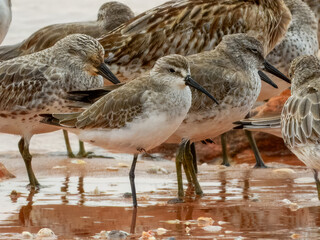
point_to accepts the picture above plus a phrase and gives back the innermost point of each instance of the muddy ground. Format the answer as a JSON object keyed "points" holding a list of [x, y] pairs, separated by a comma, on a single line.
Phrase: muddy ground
{"points": [[81, 198]]}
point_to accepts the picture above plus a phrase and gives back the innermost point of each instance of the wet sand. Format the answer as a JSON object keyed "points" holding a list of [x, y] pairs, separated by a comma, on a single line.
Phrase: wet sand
{"points": [[81, 198]]}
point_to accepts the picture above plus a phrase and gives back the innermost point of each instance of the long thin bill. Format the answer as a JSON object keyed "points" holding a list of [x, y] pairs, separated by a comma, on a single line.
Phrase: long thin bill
{"points": [[192, 83], [105, 72], [266, 79], [271, 69]]}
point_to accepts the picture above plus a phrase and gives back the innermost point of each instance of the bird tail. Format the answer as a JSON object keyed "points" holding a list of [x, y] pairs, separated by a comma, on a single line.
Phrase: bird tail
{"points": [[62, 120], [90, 96], [270, 125]]}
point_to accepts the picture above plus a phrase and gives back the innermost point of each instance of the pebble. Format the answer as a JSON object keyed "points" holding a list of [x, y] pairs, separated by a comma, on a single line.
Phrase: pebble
{"points": [[161, 231], [205, 221], [117, 235], [212, 228], [46, 233], [78, 161], [27, 235]]}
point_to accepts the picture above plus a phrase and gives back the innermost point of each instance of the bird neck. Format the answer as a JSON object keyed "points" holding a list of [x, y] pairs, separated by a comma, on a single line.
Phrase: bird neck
{"points": [[302, 16]]}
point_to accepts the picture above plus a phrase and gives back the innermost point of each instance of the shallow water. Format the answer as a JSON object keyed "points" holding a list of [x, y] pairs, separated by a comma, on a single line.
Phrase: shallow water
{"points": [[78, 201], [245, 203]]}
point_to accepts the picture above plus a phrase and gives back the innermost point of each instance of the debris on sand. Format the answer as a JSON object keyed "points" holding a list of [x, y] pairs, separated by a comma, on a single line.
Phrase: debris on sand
{"points": [[205, 221], [46, 233], [161, 231], [147, 236], [112, 169], [157, 170], [123, 165], [212, 228], [295, 236], [78, 161], [292, 206], [114, 235], [26, 235], [284, 172]]}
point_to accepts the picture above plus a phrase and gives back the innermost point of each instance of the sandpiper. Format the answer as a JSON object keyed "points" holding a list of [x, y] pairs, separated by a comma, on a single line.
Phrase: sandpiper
{"points": [[110, 16], [300, 39], [300, 117], [5, 18], [188, 27], [231, 72], [139, 115], [37, 83]]}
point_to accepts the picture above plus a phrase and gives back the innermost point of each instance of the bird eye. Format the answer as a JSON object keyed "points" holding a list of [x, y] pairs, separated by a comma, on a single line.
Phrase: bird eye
{"points": [[172, 70], [254, 50]]}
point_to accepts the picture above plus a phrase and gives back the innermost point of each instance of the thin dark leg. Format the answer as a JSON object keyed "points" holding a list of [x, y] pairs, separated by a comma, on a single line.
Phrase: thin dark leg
{"points": [[82, 152], [68, 146], [259, 160], [24, 151], [188, 161], [225, 157], [315, 172], [194, 156], [131, 177]]}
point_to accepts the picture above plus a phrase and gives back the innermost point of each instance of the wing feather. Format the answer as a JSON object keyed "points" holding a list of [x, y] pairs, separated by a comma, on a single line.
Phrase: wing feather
{"points": [[300, 119], [190, 27]]}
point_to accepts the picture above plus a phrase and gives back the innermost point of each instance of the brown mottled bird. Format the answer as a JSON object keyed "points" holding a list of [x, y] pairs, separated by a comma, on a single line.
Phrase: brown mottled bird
{"points": [[110, 16], [300, 39], [232, 73], [300, 117], [189, 27], [38, 83], [139, 115]]}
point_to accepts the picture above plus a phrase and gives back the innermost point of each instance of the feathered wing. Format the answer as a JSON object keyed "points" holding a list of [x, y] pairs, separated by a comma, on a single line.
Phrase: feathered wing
{"points": [[113, 110], [187, 27], [301, 119], [24, 86], [47, 37]]}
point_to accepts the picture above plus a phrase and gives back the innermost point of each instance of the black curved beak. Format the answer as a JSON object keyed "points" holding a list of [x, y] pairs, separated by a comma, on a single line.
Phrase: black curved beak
{"points": [[271, 69], [192, 83], [105, 72], [266, 79]]}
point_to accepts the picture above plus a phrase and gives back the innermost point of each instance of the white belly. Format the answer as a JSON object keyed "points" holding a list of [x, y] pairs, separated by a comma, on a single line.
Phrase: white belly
{"points": [[200, 127], [5, 19], [139, 134]]}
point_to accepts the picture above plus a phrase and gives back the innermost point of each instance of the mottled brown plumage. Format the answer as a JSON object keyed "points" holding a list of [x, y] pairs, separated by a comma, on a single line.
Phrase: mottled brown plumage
{"points": [[38, 83], [300, 117], [315, 7], [110, 16], [300, 39], [187, 27]]}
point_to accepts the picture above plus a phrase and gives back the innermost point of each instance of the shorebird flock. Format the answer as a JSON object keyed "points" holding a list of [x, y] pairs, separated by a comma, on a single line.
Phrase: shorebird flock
{"points": [[184, 71]]}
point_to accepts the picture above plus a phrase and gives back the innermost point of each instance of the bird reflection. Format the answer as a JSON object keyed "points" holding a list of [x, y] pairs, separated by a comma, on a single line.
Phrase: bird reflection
{"points": [[25, 211], [246, 185]]}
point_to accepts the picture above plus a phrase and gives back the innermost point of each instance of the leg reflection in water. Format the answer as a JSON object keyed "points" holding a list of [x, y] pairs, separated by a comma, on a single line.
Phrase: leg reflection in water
{"points": [[25, 211]]}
